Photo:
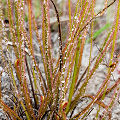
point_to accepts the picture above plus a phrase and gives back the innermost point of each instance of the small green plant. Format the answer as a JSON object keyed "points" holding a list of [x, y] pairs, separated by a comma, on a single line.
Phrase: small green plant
{"points": [[62, 88]]}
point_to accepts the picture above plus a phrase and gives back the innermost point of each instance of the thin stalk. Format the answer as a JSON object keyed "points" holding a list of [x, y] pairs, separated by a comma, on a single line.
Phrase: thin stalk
{"points": [[70, 22], [59, 32], [12, 27], [33, 92]]}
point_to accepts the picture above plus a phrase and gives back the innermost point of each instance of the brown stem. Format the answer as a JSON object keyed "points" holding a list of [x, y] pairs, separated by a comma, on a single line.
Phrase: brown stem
{"points": [[59, 31]]}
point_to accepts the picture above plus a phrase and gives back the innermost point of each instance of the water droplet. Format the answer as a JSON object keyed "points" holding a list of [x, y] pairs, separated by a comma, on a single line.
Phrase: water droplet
{"points": [[64, 58], [21, 8], [75, 17], [69, 39], [62, 81], [16, 92]]}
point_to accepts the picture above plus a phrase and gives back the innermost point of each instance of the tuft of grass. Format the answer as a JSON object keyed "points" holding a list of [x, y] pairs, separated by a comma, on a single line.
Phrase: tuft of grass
{"points": [[56, 94]]}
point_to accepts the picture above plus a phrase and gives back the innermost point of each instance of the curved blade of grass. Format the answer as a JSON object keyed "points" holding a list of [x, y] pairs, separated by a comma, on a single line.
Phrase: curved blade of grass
{"points": [[60, 38]]}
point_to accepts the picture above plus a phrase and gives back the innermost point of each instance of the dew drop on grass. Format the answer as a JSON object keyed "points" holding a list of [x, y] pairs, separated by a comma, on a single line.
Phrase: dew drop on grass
{"points": [[69, 39], [59, 89], [44, 1], [64, 58], [62, 81], [21, 8], [46, 52], [77, 21], [58, 38], [72, 29], [63, 73], [16, 92], [75, 17], [64, 66]]}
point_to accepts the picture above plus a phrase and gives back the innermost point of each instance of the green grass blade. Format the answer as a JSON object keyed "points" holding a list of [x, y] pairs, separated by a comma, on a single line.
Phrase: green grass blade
{"points": [[98, 32]]}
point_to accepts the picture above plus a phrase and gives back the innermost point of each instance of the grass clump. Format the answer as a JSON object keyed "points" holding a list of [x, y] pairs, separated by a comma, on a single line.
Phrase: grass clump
{"points": [[56, 94]]}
